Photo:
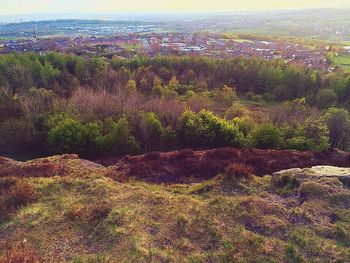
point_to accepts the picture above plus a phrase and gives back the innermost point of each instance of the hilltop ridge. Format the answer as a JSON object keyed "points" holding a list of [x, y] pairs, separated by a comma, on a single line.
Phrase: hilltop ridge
{"points": [[65, 209]]}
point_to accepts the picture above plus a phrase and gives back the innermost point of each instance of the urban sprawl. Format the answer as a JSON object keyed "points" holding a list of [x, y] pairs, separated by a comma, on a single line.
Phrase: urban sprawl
{"points": [[153, 44]]}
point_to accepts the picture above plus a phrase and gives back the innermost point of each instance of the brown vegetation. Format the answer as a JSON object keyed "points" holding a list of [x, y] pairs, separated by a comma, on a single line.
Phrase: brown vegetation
{"points": [[19, 253], [14, 193], [193, 166], [60, 165]]}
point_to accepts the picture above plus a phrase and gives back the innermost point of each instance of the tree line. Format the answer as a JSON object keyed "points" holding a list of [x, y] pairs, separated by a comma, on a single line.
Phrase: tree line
{"points": [[56, 103]]}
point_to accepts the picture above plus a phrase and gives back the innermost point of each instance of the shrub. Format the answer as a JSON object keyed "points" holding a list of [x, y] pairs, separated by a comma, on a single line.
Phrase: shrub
{"points": [[245, 124], [70, 136], [236, 110], [338, 121], [237, 172], [169, 138], [152, 131], [266, 136], [101, 104], [119, 139], [318, 133], [206, 129], [326, 98], [300, 143], [149, 131]]}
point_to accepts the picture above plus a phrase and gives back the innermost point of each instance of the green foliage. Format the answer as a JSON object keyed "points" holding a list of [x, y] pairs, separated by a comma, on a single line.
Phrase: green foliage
{"points": [[206, 129], [70, 136], [266, 136], [34, 85], [245, 124], [326, 98], [338, 121], [300, 143], [169, 138], [67, 135], [119, 139]]}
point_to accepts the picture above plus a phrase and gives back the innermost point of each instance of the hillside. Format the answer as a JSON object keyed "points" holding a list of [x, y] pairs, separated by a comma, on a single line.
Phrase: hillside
{"points": [[65, 209]]}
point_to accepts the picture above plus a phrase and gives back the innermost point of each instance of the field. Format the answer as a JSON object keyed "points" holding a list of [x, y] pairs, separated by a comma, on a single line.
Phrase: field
{"points": [[343, 62]]}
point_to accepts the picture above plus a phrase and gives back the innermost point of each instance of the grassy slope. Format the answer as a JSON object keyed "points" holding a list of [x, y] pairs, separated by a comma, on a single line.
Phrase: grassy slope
{"points": [[343, 62], [92, 218]]}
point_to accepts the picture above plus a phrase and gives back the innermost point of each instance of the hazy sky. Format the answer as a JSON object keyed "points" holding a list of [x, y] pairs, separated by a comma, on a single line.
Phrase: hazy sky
{"points": [[15, 7]]}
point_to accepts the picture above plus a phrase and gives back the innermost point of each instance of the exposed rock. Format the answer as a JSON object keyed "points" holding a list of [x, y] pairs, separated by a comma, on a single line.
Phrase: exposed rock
{"points": [[59, 165], [319, 171], [185, 166]]}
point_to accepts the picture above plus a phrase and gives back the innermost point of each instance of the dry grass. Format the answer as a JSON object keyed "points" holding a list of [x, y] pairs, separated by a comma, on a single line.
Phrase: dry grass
{"points": [[92, 218], [19, 253], [14, 193]]}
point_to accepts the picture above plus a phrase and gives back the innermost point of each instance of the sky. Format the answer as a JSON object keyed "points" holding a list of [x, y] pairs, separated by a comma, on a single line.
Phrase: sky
{"points": [[27, 7]]}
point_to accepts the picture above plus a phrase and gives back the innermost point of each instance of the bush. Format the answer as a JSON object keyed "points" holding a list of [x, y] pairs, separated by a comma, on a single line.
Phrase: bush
{"points": [[226, 96], [326, 98], [236, 110], [119, 139], [237, 172], [300, 143], [169, 138], [245, 124], [14, 193], [338, 121], [68, 135], [266, 136], [207, 130], [153, 131]]}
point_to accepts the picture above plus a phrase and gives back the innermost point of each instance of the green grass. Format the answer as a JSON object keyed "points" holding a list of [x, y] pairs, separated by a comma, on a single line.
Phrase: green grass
{"points": [[242, 40], [342, 62]]}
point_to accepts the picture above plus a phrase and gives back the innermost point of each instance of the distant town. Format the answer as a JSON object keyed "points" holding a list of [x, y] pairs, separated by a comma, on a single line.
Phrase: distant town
{"points": [[212, 35], [153, 44]]}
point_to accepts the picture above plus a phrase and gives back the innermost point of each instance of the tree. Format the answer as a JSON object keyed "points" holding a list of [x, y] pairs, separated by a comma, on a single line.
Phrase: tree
{"points": [[119, 139], [70, 136], [173, 83], [326, 98], [152, 131], [338, 121]]}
